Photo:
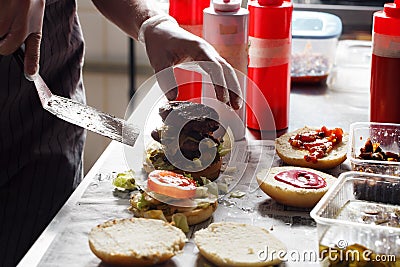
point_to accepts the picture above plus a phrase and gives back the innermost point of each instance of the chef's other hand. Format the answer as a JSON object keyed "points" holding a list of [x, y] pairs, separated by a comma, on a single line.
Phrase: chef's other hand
{"points": [[21, 23], [167, 44]]}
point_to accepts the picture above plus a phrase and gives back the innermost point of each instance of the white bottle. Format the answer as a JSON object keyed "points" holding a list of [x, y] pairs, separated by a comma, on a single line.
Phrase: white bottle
{"points": [[225, 26]]}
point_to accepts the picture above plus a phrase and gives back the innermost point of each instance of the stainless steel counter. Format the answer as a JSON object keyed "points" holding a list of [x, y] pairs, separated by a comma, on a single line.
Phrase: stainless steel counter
{"points": [[64, 242]]}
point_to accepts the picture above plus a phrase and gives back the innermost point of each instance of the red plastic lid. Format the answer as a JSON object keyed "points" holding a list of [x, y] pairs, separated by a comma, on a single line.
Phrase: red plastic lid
{"points": [[388, 21], [270, 22], [188, 12], [393, 9]]}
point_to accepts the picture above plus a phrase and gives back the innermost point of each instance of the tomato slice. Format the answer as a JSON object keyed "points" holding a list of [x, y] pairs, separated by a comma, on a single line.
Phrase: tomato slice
{"points": [[171, 184]]}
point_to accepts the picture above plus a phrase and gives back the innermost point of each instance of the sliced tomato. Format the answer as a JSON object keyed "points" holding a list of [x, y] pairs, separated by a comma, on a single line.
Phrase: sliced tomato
{"points": [[171, 184]]}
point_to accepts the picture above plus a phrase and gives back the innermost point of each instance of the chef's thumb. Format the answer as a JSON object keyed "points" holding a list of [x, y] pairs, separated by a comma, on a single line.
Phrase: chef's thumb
{"points": [[32, 54], [32, 41]]}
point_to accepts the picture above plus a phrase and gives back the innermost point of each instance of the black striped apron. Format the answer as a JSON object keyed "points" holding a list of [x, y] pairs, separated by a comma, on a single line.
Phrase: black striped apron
{"points": [[40, 155]]}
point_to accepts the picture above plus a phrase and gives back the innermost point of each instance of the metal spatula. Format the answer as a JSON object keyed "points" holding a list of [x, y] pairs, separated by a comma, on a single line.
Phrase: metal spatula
{"points": [[80, 114]]}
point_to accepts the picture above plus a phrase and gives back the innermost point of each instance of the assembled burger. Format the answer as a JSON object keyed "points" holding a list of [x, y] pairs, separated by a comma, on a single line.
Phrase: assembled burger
{"points": [[175, 198], [185, 142]]}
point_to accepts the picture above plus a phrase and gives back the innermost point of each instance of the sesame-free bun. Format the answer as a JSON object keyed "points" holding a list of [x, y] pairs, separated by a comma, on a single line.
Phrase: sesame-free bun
{"points": [[135, 241], [289, 195], [295, 157], [236, 244]]}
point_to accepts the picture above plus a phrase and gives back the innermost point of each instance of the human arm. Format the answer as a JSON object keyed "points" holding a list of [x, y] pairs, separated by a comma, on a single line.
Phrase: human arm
{"points": [[167, 44]]}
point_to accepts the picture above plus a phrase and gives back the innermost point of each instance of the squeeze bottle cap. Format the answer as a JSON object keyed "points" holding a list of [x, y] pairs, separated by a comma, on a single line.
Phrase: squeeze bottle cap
{"points": [[392, 9], [270, 2], [226, 5], [387, 21], [188, 12]]}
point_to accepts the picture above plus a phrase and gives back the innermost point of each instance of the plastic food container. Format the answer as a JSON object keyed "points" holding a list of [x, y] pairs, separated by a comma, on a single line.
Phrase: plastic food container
{"points": [[351, 71], [314, 41], [358, 221], [388, 137]]}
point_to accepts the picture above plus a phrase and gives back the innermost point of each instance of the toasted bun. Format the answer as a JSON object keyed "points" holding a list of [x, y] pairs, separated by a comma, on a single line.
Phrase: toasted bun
{"points": [[295, 157], [133, 241], [236, 244], [200, 215], [289, 195], [193, 216]]}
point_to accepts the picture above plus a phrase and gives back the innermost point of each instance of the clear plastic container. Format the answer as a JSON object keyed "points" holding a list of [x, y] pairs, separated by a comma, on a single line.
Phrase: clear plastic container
{"points": [[314, 41], [388, 137], [358, 221], [352, 69]]}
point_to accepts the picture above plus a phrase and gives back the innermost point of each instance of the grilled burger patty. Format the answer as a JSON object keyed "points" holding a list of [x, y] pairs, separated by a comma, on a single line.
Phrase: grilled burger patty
{"points": [[191, 116], [188, 128]]}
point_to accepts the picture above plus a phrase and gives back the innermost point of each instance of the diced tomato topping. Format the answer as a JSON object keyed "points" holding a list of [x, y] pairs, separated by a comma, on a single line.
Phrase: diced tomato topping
{"points": [[318, 143]]}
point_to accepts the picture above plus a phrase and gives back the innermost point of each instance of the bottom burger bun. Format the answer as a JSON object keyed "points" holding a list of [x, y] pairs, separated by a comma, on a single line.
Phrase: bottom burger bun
{"points": [[211, 172], [194, 215], [290, 195], [236, 245], [135, 241]]}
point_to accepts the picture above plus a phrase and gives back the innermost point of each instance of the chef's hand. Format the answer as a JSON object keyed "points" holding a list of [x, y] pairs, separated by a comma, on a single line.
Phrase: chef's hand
{"points": [[21, 23], [167, 44]]}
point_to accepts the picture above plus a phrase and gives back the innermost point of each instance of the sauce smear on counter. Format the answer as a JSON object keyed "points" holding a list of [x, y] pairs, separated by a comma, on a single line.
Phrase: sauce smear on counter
{"points": [[317, 142], [301, 179]]}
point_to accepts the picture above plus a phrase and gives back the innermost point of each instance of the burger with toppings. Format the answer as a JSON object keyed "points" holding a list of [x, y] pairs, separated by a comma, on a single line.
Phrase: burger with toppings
{"points": [[185, 142], [175, 198]]}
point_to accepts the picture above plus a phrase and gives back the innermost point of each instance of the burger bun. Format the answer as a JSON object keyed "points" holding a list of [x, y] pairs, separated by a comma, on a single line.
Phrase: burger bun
{"points": [[295, 157], [236, 244], [135, 241], [288, 194]]}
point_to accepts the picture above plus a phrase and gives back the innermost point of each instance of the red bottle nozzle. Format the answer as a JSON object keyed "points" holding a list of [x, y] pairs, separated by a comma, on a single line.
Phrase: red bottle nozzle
{"points": [[392, 9], [226, 5], [270, 2]]}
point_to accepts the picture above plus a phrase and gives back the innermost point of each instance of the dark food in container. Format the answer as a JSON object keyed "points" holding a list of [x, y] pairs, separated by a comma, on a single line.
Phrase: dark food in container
{"points": [[378, 189]]}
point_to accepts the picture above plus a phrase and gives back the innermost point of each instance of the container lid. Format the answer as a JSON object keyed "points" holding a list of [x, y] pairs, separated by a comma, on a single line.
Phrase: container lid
{"points": [[315, 25]]}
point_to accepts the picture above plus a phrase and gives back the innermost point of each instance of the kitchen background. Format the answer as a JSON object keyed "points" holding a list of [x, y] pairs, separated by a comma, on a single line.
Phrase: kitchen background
{"points": [[108, 57]]}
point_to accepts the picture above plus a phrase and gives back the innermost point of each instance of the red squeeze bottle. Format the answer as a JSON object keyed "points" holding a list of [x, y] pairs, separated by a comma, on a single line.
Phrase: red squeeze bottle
{"points": [[189, 15], [269, 60], [385, 65]]}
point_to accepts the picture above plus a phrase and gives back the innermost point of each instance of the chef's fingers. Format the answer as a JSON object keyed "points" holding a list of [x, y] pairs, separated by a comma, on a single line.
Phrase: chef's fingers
{"points": [[12, 40], [32, 53], [15, 26], [5, 25], [233, 86], [223, 76], [6, 19], [167, 82], [216, 72]]}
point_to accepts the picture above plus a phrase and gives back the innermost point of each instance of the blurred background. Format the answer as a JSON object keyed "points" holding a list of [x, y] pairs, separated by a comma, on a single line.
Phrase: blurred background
{"points": [[115, 65]]}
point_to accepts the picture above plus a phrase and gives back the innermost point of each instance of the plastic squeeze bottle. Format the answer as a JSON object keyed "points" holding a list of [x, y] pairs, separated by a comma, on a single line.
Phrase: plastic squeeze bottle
{"points": [[226, 28], [189, 15], [270, 41], [385, 65]]}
